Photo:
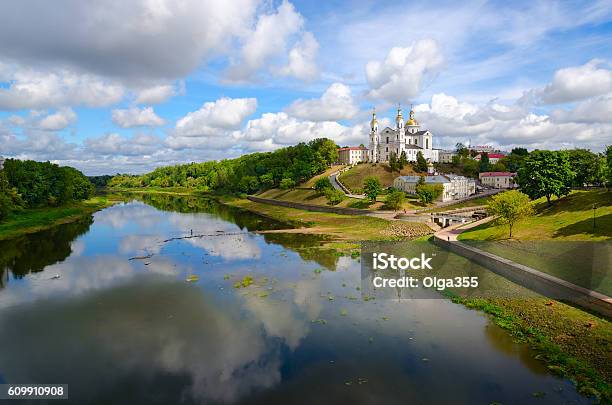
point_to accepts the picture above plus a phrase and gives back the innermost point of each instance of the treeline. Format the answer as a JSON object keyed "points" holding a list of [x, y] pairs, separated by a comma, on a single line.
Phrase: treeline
{"points": [[250, 173], [588, 168], [30, 184]]}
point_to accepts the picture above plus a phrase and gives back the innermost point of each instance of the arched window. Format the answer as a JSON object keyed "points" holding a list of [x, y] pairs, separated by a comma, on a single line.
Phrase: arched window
{"points": [[427, 143]]}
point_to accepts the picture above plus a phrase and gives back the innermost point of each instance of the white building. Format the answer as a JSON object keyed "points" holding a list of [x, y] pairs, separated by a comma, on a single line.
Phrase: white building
{"points": [[446, 156], [1, 162], [352, 155], [454, 187], [493, 157], [498, 179], [405, 137]]}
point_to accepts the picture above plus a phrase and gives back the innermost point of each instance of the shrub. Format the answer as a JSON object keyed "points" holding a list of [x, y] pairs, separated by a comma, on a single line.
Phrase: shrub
{"points": [[334, 197], [395, 200]]}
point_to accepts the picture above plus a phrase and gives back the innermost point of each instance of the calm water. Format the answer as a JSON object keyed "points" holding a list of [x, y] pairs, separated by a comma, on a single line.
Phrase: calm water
{"points": [[134, 331]]}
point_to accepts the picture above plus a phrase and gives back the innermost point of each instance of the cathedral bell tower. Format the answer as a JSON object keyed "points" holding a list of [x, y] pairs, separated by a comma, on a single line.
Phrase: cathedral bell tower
{"points": [[399, 124], [373, 149]]}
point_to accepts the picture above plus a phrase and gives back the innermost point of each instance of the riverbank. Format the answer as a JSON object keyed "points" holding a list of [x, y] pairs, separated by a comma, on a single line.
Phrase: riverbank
{"points": [[571, 342], [38, 219]]}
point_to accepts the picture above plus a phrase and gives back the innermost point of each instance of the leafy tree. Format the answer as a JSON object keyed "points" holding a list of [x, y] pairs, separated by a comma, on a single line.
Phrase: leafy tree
{"points": [[586, 165], [519, 152], [334, 197], [609, 165], [403, 160], [395, 199], [393, 163], [266, 180], [499, 167], [428, 193], [545, 174], [510, 207], [42, 183], [484, 162], [421, 163], [372, 187], [469, 167], [10, 200], [287, 183], [322, 184]]}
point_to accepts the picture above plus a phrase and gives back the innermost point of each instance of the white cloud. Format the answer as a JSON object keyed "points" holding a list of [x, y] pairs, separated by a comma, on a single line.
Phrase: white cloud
{"points": [[155, 94], [507, 126], [34, 89], [597, 109], [401, 76], [269, 39], [59, 120], [302, 64], [136, 117], [573, 84], [156, 40], [279, 129], [336, 103], [223, 114], [108, 144]]}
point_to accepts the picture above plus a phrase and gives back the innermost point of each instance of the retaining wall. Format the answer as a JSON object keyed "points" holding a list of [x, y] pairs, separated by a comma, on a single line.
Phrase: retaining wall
{"points": [[535, 280], [310, 207]]}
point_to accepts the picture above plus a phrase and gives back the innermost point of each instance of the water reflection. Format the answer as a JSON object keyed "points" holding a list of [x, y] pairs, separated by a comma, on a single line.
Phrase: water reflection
{"points": [[32, 253], [121, 324]]}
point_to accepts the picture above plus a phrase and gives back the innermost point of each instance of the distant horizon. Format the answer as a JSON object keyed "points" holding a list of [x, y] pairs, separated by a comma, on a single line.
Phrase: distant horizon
{"points": [[125, 88]]}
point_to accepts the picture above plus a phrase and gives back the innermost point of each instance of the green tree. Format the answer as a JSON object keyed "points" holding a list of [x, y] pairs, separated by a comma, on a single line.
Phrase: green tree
{"points": [[372, 187], [287, 183], [469, 167], [519, 152], [609, 165], [428, 193], [393, 163], [403, 160], [484, 162], [421, 163], [545, 174], [322, 184], [333, 196], [587, 167], [395, 199], [510, 207]]}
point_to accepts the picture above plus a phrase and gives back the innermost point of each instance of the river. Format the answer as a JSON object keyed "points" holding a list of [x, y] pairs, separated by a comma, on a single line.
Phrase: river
{"points": [[103, 305]]}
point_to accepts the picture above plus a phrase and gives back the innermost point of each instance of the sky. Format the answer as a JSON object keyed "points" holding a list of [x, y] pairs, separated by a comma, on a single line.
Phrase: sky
{"points": [[123, 87]]}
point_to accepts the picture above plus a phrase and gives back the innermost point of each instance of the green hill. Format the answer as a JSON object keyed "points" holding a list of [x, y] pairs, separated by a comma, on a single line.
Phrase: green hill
{"points": [[569, 218], [354, 177]]}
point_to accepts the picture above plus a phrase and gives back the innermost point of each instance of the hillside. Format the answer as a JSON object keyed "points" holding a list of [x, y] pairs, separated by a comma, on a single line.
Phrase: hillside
{"points": [[569, 218], [354, 177]]}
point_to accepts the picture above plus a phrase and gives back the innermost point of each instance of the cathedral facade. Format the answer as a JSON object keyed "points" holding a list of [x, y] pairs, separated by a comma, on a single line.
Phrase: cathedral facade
{"points": [[407, 137]]}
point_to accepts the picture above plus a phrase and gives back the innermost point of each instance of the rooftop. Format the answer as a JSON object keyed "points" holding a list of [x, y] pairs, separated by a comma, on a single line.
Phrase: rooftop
{"points": [[353, 148], [497, 174]]}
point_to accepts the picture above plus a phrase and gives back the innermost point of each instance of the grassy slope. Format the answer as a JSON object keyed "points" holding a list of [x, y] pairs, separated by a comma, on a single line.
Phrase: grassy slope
{"points": [[569, 218], [348, 227], [353, 178], [36, 219]]}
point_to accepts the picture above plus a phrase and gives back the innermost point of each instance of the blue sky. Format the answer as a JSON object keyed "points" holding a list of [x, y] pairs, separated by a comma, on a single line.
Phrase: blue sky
{"points": [[128, 86]]}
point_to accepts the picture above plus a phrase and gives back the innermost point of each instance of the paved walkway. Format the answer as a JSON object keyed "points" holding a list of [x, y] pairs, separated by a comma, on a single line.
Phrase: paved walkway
{"points": [[333, 178], [450, 233]]}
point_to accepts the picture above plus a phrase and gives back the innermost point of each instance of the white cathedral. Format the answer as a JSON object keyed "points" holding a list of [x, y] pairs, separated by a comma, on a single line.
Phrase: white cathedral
{"points": [[406, 137]]}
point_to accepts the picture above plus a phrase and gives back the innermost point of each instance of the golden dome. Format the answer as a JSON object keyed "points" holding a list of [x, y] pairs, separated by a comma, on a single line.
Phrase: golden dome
{"points": [[412, 121]]}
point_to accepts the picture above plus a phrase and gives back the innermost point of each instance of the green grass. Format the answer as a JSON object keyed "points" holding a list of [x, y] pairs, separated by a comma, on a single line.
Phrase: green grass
{"points": [[558, 240], [569, 218], [559, 336], [36, 219], [354, 177]]}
